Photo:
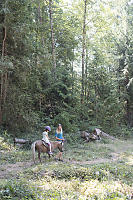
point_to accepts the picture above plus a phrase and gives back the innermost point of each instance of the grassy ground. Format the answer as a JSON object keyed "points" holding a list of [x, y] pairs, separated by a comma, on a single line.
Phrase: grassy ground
{"points": [[100, 170]]}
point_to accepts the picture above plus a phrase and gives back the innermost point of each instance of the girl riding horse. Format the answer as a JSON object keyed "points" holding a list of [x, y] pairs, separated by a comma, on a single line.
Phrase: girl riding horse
{"points": [[39, 146]]}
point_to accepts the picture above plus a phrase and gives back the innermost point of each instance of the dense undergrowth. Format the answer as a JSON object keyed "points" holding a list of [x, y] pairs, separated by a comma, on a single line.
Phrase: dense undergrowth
{"points": [[70, 182], [82, 175]]}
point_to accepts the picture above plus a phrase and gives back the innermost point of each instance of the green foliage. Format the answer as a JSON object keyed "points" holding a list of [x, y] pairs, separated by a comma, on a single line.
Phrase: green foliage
{"points": [[65, 119], [5, 140], [72, 179], [15, 190], [101, 173], [123, 131], [75, 178], [89, 125], [31, 98]]}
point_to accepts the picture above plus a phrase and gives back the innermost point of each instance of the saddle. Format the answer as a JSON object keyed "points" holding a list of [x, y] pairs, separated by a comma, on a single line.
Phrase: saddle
{"points": [[45, 144]]}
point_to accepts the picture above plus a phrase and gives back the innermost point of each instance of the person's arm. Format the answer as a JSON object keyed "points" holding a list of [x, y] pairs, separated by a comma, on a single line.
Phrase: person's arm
{"points": [[61, 137], [55, 134], [48, 137]]}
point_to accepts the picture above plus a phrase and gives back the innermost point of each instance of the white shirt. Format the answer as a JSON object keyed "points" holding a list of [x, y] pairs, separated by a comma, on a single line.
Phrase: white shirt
{"points": [[45, 137]]}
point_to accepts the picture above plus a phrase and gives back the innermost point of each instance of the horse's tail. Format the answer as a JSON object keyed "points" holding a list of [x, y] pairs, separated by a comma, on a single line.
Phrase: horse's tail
{"points": [[33, 146]]}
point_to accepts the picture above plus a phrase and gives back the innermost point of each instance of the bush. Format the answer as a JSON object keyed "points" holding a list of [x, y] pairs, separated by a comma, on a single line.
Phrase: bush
{"points": [[100, 172], [122, 131], [17, 190], [65, 119]]}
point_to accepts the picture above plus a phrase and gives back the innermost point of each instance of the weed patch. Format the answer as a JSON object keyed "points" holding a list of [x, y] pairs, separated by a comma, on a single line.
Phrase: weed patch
{"points": [[75, 178]]}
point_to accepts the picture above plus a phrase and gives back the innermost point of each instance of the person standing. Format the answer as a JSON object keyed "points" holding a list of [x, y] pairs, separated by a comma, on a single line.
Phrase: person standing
{"points": [[59, 138], [59, 133]]}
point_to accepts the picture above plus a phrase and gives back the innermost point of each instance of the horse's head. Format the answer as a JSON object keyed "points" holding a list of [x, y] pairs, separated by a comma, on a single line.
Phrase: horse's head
{"points": [[60, 146]]}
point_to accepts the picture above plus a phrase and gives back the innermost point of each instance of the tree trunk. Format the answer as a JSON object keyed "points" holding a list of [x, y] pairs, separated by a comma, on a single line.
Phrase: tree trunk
{"points": [[86, 73], [83, 51], [72, 75], [4, 77], [52, 38], [40, 17]]}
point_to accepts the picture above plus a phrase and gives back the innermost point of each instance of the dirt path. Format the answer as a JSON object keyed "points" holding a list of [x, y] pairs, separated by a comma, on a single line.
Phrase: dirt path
{"points": [[9, 170], [13, 170], [96, 161]]}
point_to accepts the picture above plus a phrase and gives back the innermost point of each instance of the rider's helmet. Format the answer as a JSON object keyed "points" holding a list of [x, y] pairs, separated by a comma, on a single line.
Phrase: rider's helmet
{"points": [[47, 128]]}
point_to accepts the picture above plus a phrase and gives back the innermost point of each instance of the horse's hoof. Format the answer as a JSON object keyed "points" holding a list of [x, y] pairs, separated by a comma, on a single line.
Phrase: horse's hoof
{"points": [[61, 160]]}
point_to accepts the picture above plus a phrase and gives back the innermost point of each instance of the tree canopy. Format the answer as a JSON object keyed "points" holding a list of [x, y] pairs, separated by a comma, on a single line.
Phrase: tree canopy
{"points": [[66, 62]]}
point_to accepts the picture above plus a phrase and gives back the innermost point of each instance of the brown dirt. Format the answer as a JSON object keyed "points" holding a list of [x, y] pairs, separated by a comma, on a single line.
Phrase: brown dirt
{"points": [[9, 170], [114, 158]]}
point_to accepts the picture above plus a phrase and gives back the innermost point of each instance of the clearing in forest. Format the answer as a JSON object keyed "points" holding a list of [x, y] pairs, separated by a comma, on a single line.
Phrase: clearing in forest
{"points": [[99, 170]]}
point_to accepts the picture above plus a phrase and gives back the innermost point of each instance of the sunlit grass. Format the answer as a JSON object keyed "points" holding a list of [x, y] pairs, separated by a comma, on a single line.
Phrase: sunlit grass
{"points": [[74, 178], [5, 145], [88, 151], [51, 188], [15, 156], [129, 160]]}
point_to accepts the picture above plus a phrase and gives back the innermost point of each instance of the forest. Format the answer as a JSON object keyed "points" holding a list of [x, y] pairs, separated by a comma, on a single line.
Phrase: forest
{"points": [[67, 62]]}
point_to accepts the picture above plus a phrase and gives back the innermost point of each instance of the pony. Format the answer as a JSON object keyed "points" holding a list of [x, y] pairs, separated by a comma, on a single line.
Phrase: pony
{"points": [[41, 148]]}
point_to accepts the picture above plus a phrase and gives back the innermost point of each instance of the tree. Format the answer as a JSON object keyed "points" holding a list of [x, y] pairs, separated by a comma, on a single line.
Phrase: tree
{"points": [[83, 50], [128, 68], [52, 37], [4, 76], [85, 47]]}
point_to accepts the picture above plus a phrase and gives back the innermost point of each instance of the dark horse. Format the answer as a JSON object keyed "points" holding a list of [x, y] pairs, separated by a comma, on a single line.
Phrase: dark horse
{"points": [[41, 148]]}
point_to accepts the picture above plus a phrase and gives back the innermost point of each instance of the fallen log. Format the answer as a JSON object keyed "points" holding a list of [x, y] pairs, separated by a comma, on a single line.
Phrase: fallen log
{"points": [[99, 132], [89, 136], [85, 135], [21, 141], [95, 135]]}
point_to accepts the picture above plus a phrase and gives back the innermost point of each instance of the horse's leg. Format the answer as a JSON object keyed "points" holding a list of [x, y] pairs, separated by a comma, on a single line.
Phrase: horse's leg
{"points": [[33, 147], [44, 157], [57, 157], [39, 157], [49, 156], [60, 156]]}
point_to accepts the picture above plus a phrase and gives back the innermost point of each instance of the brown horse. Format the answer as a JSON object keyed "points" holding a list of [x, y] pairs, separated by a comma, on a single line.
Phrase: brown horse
{"points": [[41, 148]]}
